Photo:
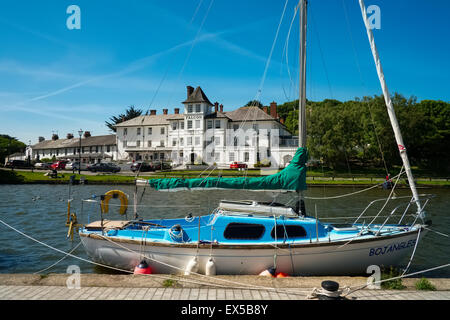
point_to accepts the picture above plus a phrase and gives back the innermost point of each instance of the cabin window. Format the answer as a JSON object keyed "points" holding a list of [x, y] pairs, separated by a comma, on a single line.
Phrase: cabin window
{"points": [[244, 231], [288, 232]]}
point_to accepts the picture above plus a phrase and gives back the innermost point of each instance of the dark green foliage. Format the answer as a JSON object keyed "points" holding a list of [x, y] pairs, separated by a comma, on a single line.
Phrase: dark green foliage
{"points": [[130, 113], [358, 132], [9, 145]]}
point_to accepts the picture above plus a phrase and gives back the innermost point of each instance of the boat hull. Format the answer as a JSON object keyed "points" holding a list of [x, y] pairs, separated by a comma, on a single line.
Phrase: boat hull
{"points": [[310, 259]]}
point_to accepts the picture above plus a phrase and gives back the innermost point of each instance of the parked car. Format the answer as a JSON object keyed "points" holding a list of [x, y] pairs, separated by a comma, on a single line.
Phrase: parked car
{"points": [[76, 165], [42, 165], [104, 167], [22, 164], [238, 165], [59, 165], [161, 166], [142, 166]]}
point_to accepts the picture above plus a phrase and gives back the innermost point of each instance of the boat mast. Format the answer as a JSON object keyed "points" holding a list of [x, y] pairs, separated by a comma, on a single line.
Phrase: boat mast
{"points": [[390, 109], [302, 5]]}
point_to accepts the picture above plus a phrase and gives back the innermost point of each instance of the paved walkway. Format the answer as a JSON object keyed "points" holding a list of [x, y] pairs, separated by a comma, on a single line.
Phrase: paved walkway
{"points": [[18, 292]]}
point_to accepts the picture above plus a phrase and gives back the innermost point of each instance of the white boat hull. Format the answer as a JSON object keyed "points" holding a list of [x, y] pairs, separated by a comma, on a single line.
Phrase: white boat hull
{"points": [[322, 258]]}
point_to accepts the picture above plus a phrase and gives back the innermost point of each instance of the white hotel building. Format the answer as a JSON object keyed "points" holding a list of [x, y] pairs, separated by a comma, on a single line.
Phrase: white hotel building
{"points": [[204, 133]]}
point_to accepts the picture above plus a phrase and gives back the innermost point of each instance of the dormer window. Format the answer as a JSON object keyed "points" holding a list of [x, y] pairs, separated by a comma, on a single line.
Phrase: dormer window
{"points": [[189, 108], [197, 108]]}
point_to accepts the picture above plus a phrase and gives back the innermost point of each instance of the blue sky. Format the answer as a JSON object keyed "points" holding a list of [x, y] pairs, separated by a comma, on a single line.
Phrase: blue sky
{"points": [[145, 52]]}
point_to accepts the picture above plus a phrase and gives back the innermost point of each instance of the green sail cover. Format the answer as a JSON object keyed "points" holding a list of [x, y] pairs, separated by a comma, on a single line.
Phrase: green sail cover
{"points": [[291, 178]]}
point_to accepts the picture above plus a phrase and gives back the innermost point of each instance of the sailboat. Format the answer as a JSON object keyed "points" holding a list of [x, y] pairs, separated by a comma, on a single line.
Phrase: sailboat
{"points": [[249, 237]]}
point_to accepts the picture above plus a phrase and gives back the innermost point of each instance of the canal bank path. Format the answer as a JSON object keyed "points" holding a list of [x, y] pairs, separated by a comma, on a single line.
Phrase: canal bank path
{"points": [[158, 287]]}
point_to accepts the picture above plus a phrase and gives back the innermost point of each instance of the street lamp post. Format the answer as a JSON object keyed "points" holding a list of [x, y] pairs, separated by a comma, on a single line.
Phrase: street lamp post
{"points": [[80, 132]]}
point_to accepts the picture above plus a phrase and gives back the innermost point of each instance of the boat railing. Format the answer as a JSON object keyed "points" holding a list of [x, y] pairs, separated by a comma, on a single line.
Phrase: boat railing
{"points": [[392, 213]]}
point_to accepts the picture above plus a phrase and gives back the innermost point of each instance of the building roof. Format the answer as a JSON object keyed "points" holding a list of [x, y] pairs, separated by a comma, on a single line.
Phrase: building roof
{"points": [[197, 96], [156, 119], [109, 139], [249, 114]]}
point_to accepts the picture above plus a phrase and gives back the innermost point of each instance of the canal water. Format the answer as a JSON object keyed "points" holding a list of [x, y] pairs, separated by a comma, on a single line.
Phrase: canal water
{"points": [[40, 211]]}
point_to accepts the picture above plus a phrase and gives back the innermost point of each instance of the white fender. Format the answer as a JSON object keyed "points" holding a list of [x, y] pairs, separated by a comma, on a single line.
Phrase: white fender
{"points": [[192, 266], [210, 269]]}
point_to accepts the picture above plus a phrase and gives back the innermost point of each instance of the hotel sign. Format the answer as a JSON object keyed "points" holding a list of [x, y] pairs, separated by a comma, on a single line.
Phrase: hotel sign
{"points": [[194, 117]]}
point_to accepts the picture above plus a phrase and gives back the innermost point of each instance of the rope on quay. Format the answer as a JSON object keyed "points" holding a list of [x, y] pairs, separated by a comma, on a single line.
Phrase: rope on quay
{"points": [[238, 284], [54, 264]]}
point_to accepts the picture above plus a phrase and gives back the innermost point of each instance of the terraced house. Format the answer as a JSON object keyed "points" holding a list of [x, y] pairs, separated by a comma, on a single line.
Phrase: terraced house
{"points": [[203, 133], [93, 148]]}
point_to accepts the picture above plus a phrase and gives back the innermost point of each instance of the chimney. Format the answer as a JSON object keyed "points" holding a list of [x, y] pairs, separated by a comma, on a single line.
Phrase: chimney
{"points": [[40, 139], [69, 136], [266, 109], [165, 111], [87, 134], [216, 106], [55, 137], [152, 112], [221, 108], [273, 109], [177, 110], [189, 90]]}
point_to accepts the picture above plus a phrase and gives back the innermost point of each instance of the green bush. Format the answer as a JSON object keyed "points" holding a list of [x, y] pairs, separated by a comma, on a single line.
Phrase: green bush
{"points": [[425, 284], [395, 284]]}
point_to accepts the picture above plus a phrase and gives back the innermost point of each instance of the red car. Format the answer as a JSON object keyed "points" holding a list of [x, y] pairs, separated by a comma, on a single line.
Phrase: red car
{"points": [[59, 165], [238, 165]]}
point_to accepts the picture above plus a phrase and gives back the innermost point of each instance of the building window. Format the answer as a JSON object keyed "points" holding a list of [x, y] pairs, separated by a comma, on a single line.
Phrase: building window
{"points": [[181, 141], [174, 142], [124, 143], [210, 124], [149, 131], [244, 231], [138, 143], [189, 124], [235, 141], [161, 143], [288, 231], [161, 156], [197, 141], [108, 148], [235, 127], [174, 126], [231, 156], [246, 157], [189, 108], [197, 108], [125, 131], [197, 124], [182, 125], [138, 131], [162, 130], [217, 124], [189, 141], [149, 143], [255, 127], [217, 141]]}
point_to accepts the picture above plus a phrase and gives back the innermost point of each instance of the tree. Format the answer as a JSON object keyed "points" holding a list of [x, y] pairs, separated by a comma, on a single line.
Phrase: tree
{"points": [[9, 145], [130, 113], [254, 103]]}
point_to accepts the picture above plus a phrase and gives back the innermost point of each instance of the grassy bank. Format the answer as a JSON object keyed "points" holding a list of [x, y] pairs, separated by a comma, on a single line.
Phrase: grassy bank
{"points": [[313, 179]]}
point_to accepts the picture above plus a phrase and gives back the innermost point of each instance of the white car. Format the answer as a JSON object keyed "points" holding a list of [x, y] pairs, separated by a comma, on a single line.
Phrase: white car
{"points": [[75, 166], [42, 165]]}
